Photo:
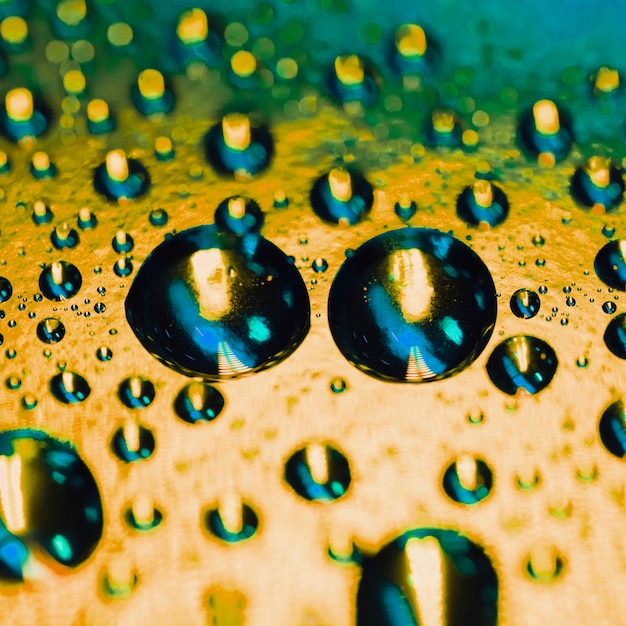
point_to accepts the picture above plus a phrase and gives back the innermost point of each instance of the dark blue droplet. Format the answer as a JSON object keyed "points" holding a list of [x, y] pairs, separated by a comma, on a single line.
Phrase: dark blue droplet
{"points": [[130, 453], [60, 281], [612, 428], [462, 493], [615, 336], [525, 303], [610, 264], [69, 387], [249, 525], [136, 392], [50, 330], [6, 289], [198, 402]]}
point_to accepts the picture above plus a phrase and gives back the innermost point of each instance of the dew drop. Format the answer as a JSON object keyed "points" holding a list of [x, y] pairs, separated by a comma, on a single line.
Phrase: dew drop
{"points": [[201, 321], [142, 515], [320, 265], [60, 281], [198, 402], [133, 442], [615, 336], [232, 521], [318, 472], [104, 354], [338, 385], [396, 584], [609, 307], [522, 362], [543, 290], [6, 289], [69, 387], [525, 303], [610, 264], [50, 330], [412, 305], [59, 515]]}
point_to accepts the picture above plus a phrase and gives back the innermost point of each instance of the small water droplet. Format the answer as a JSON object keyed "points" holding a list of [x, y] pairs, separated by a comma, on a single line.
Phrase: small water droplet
{"points": [[231, 525], [104, 354], [528, 481], [158, 217], [11, 353], [69, 387], [318, 472], [29, 401], [609, 307], [50, 330], [136, 392], [522, 362], [582, 362], [338, 385], [543, 289], [142, 515], [133, 442], [538, 240], [198, 402], [123, 267], [60, 281], [468, 480], [525, 303], [99, 307], [320, 265], [239, 215], [570, 301], [544, 563], [13, 382]]}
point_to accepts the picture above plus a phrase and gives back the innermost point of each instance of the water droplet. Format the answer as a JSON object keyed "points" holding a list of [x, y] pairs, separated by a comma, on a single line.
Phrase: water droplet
{"points": [[239, 215], [522, 362], [396, 586], [318, 472], [11, 353], [120, 579], [405, 208], [610, 264], [232, 521], [69, 387], [412, 305], [564, 321], [158, 217], [99, 307], [525, 303], [582, 362], [528, 481], [60, 281], [320, 265], [50, 330], [198, 402], [538, 240], [338, 385], [6, 289], [468, 480], [609, 307], [123, 267], [29, 401], [133, 442], [64, 237], [615, 336], [13, 382], [200, 321], [608, 230], [543, 290], [482, 203], [142, 515], [136, 392], [104, 354], [612, 428], [122, 242], [544, 563], [51, 505]]}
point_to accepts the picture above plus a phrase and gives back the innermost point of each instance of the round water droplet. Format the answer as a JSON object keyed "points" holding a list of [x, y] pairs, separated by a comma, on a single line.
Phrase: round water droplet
{"points": [[248, 524], [69, 387], [525, 303], [615, 336], [320, 265], [468, 480], [544, 563], [136, 392], [198, 402], [239, 215], [123, 267], [612, 428], [223, 306], [13, 382], [104, 354], [158, 217], [143, 515], [133, 442], [610, 264], [318, 472], [522, 362], [6, 290], [609, 307], [56, 513], [412, 305], [397, 584], [60, 281], [482, 204], [338, 385], [543, 290], [50, 330]]}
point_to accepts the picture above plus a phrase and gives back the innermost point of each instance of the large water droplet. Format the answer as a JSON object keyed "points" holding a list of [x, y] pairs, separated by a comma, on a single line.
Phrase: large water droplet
{"points": [[412, 305], [198, 402], [522, 362], [50, 330], [615, 336], [428, 576], [610, 264], [318, 472], [5, 289], [613, 428], [50, 504], [525, 303], [210, 304]]}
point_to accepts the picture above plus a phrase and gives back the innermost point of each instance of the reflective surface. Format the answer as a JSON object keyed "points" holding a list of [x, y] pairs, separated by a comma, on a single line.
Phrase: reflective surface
{"points": [[222, 306], [50, 509], [428, 576], [412, 305]]}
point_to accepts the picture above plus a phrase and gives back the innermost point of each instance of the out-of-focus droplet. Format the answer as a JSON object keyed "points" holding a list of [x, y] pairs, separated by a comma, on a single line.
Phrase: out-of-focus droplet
{"points": [[544, 563], [318, 472], [69, 387], [50, 508], [198, 402], [232, 521], [412, 305], [525, 303], [225, 306], [428, 576], [142, 515], [133, 442], [136, 392], [338, 385], [522, 362]]}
